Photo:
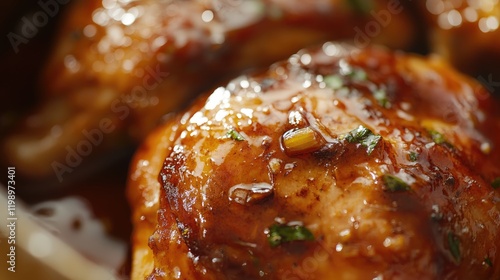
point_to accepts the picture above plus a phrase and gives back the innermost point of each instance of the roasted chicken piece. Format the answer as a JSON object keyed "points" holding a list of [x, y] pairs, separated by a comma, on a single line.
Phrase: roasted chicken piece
{"points": [[339, 163], [467, 33], [118, 66]]}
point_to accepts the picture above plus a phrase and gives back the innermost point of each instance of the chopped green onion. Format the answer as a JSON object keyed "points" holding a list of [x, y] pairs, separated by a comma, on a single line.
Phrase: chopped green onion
{"points": [[413, 156], [300, 141], [279, 234], [365, 137], [394, 184], [333, 81], [496, 183], [454, 244], [233, 134]]}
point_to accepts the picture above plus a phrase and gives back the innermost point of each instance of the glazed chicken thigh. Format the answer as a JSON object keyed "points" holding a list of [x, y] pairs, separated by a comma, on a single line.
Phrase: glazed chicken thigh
{"points": [[305, 158], [338, 163], [118, 66]]}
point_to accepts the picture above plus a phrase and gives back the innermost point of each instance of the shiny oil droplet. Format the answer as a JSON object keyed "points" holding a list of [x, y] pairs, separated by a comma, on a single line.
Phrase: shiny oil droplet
{"points": [[250, 193]]}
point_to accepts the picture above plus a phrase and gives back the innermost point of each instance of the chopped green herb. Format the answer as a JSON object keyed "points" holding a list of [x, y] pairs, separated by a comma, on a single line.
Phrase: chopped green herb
{"points": [[454, 244], [358, 75], [437, 137], [233, 134], [496, 183], [333, 81], [488, 262], [381, 97], [279, 234], [361, 6], [358, 134], [413, 156], [394, 184], [363, 136]]}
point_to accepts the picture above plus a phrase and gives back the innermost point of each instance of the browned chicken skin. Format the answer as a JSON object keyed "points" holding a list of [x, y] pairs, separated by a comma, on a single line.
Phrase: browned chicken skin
{"points": [[340, 163], [118, 66]]}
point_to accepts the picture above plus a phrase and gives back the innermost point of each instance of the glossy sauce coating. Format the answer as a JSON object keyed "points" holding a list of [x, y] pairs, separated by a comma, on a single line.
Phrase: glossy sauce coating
{"points": [[219, 196], [118, 66]]}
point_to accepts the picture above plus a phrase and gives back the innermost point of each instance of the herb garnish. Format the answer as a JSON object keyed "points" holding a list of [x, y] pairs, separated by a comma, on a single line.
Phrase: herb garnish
{"points": [[496, 183], [437, 137], [454, 244], [487, 261], [233, 134], [279, 234], [394, 184], [361, 6], [413, 156], [333, 81], [363, 136], [358, 75], [381, 96]]}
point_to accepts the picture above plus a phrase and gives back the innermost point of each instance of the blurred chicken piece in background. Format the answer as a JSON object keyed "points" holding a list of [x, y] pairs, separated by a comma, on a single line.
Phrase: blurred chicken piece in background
{"points": [[118, 66], [467, 34]]}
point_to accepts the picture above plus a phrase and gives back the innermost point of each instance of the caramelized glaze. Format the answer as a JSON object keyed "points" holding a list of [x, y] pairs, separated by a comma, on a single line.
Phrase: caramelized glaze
{"points": [[438, 135]]}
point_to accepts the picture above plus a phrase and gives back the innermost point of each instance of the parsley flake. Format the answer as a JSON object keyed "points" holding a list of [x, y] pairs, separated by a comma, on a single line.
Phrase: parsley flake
{"points": [[496, 183], [233, 134], [394, 184], [333, 81], [358, 75], [279, 234], [361, 6], [487, 261], [382, 99], [454, 244], [413, 156], [365, 137], [437, 137]]}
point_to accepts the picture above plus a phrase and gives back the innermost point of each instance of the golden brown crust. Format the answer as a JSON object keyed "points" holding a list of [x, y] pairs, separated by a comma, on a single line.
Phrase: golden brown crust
{"points": [[219, 197], [144, 194]]}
